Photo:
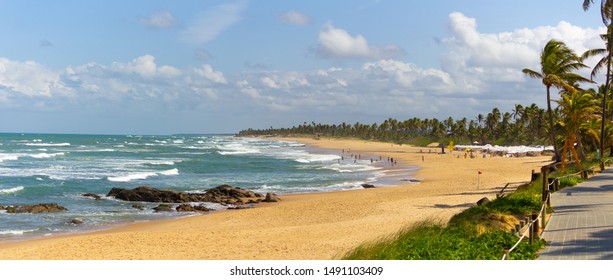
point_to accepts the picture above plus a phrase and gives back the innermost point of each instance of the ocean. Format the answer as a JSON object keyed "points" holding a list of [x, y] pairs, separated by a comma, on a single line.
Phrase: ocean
{"points": [[53, 168]]}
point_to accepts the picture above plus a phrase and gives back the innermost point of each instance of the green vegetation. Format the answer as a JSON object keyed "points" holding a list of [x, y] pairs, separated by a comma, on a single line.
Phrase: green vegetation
{"points": [[522, 126], [480, 232], [431, 241]]}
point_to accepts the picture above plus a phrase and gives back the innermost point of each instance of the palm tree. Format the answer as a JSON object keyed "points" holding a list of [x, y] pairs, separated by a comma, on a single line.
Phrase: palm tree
{"points": [[557, 65], [606, 13], [576, 108], [518, 111]]}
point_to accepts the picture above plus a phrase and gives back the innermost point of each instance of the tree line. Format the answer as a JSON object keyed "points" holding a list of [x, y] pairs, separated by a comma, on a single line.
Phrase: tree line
{"points": [[524, 125]]}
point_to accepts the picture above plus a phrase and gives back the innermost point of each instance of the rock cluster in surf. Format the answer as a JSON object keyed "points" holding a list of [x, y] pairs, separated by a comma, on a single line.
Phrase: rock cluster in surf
{"points": [[38, 208], [224, 194]]}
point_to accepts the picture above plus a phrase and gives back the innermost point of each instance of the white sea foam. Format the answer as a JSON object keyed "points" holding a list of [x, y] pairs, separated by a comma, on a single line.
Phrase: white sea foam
{"points": [[237, 149], [350, 168], [11, 190], [143, 175], [163, 162], [130, 177], [48, 144], [15, 231], [4, 157], [45, 155], [170, 172]]}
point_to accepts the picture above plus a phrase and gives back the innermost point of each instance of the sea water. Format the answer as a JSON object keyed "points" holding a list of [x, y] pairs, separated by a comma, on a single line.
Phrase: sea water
{"points": [[49, 168]]}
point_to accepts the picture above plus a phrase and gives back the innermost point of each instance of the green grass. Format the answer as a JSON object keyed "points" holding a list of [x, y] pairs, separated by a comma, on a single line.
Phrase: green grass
{"points": [[431, 241], [570, 181], [478, 233]]}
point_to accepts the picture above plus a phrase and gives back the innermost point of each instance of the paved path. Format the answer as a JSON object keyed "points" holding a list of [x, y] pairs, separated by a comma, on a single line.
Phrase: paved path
{"points": [[581, 227]]}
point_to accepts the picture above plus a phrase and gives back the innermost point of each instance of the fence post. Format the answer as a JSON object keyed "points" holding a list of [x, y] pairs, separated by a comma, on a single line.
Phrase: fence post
{"points": [[505, 254], [544, 214], [551, 183], [531, 232], [518, 229], [536, 225], [544, 171], [556, 185]]}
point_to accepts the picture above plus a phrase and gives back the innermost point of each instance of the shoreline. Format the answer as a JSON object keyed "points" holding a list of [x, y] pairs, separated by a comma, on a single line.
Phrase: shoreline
{"points": [[320, 225]]}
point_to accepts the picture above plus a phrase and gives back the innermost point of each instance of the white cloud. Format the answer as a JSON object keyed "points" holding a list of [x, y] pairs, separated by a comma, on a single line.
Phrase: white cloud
{"points": [[166, 71], [211, 23], [30, 78], [267, 81], [481, 63], [146, 67], [337, 43], [296, 18], [160, 19], [207, 72]]}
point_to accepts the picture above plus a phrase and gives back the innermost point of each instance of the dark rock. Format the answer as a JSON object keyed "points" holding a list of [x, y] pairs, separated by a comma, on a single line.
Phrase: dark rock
{"points": [[237, 207], [271, 197], [97, 197], [163, 208], [76, 221], [38, 208], [220, 194], [191, 208], [149, 194], [368, 186], [138, 206], [226, 191], [483, 201]]}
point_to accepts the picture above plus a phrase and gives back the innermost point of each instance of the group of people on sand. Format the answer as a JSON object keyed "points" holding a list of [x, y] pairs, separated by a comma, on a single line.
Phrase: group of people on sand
{"points": [[357, 157]]}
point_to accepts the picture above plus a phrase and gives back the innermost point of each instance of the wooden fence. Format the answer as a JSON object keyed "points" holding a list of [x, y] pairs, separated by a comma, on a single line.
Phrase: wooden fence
{"points": [[533, 226]]}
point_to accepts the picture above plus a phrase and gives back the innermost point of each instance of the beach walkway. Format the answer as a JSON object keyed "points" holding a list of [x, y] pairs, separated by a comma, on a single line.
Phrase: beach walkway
{"points": [[581, 227]]}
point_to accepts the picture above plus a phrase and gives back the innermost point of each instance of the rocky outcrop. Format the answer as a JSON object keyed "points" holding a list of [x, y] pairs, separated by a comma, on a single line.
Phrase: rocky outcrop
{"points": [[151, 195], [38, 208], [221, 194], [271, 197], [76, 221], [192, 208], [163, 208], [368, 186], [95, 196], [138, 206]]}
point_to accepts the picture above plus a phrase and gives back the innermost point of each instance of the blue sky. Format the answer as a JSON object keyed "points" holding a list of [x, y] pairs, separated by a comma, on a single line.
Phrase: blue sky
{"points": [[162, 67]]}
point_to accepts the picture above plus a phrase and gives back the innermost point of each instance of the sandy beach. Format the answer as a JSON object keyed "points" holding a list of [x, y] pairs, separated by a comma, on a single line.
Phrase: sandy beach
{"points": [[302, 226]]}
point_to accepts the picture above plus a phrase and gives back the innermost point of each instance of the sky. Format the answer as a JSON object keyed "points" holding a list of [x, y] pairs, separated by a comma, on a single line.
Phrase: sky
{"points": [[166, 67]]}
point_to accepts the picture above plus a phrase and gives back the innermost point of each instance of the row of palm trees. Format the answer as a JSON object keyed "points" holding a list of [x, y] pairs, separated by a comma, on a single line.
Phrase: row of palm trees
{"points": [[524, 125]]}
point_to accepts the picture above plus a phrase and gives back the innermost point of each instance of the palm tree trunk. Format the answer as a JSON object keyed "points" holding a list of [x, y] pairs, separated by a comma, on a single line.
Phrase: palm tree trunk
{"points": [[581, 150], [564, 158], [551, 128], [607, 88], [574, 152]]}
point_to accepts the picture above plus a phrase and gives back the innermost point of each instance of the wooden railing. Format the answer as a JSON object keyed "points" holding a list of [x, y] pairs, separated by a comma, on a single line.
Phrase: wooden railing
{"points": [[533, 226]]}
